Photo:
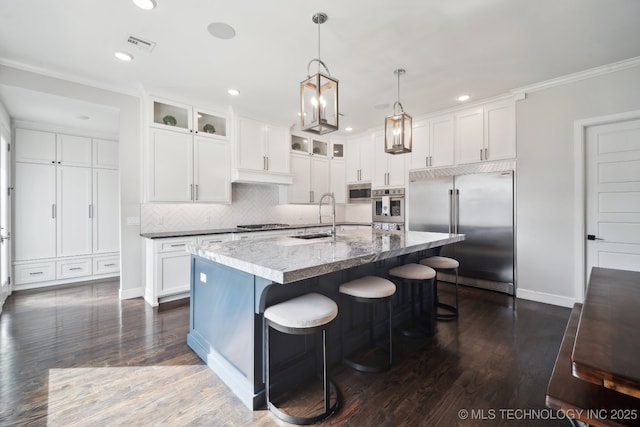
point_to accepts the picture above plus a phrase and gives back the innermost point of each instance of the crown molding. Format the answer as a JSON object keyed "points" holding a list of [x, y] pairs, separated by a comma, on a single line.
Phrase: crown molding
{"points": [[72, 78], [520, 93]]}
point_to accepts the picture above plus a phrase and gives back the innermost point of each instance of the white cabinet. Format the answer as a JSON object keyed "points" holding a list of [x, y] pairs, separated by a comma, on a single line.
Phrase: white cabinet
{"points": [[310, 169], [74, 211], [36, 146], [359, 159], [35, 211], [486, 133], [185, 168], [170, 115], [338, 172], [168, 266], [389, 169], [433, 143], [65, 211], [106, 220], [105, 154], [262, 153]]}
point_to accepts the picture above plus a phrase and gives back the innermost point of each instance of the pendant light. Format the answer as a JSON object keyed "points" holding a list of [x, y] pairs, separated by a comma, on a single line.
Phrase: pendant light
{"points": [[397, 128], [319, 94]]}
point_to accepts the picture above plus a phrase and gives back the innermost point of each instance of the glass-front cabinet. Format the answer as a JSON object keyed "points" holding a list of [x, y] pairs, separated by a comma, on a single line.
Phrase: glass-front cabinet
{"points": [[337, 151], [185, 118], [306, 144]]}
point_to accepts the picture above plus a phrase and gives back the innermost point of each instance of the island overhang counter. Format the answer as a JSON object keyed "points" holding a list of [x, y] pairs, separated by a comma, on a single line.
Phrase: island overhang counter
{"points": [[233, 282]]}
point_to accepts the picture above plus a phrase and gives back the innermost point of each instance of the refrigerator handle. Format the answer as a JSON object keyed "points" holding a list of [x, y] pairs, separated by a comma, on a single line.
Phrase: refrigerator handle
{"points": [[450, 211], [457, 214]]}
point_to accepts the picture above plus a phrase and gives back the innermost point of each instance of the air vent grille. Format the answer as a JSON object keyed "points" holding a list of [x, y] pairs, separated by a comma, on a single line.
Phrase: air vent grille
{"points": [[141, 44]]}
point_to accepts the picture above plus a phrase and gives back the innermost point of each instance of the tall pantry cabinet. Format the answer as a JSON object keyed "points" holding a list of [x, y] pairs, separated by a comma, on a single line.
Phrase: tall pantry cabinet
{"points": [[66, 225]]}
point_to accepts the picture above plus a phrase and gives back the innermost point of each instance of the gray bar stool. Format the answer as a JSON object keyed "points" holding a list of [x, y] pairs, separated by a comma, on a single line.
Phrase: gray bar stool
{"points": [[442, 264], [418, 276], [370, 290], [303, 315]]}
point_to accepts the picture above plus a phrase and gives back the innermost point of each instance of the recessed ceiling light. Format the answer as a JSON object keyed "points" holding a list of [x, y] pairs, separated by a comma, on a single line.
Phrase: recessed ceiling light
{"points": [[145, 4], [348, 129], [464, 98], [233, 92], [124, 56], [221, 30]]}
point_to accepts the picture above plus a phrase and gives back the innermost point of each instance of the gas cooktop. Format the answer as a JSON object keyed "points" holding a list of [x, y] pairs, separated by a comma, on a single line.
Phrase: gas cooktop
{"points": [[261, 226]]}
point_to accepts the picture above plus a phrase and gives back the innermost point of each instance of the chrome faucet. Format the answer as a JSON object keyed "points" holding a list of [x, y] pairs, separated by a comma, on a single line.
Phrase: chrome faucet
{"points": [[333, 212]]}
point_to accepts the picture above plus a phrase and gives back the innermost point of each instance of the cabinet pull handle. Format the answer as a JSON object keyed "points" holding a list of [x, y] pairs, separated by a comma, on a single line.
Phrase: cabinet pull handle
{"points": [[196, 191], [311, 196], [35, 273], [90, 211], [481, 154], [177, 245], [110, 265], [53, 211], [190, 191], [486, 154], [267, 159], [75, 268], [430, 161]]}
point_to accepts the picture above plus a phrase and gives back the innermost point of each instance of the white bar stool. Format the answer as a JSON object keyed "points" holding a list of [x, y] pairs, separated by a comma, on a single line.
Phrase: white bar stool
{"points": [[418, 275], [370, 290], [442, 264], [303, 315]]}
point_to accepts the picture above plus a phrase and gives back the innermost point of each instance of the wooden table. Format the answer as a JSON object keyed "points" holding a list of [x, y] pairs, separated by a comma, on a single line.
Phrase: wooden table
{"points": [[607, 346], [594, 379]]}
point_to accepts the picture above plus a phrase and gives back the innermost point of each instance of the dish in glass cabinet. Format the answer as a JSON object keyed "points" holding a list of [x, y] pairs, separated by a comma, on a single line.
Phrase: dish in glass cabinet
{"points": [[209, 128], [169, 120]]}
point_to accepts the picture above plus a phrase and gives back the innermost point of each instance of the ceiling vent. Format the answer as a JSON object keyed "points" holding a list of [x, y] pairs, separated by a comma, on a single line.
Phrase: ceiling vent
{"points": [[141, 44]]}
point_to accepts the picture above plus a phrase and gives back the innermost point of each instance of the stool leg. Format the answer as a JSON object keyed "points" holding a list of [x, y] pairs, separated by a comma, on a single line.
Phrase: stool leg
{"points": [[327, 393], [267, 364], [390, 335]]}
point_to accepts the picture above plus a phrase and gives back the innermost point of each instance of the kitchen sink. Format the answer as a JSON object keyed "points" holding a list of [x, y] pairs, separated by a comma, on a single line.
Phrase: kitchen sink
{"points": [[311, 236]]}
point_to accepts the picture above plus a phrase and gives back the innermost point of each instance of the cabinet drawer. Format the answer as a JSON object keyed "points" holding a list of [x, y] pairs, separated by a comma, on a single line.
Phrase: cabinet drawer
{"points": [[105, 265], [173, 245], [214, 238], [73, 268], [32, 273]]}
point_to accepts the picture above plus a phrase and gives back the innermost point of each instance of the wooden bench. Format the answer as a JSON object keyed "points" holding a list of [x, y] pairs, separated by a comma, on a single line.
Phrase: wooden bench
{"points": [[584, 400]]}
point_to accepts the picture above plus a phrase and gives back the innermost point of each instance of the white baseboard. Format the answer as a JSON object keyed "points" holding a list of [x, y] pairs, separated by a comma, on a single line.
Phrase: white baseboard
{"points": [[131, 293], [545, 298]]}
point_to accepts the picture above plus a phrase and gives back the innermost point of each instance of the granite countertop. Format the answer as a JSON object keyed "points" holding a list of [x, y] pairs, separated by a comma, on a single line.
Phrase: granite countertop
{"points": [[167, 234], [287, 259]]}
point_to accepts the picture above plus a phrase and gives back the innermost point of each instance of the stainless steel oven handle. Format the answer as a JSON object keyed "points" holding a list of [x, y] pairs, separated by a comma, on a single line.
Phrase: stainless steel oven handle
{"points": [[450, 211], [457, 211]]}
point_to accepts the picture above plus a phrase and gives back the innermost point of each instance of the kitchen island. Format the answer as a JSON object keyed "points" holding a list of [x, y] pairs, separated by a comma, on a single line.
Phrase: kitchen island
{"points": [[233, 282]]}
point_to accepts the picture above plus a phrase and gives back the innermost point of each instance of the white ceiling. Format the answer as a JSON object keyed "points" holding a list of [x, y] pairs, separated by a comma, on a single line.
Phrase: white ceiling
{"points": [[448, 47]]}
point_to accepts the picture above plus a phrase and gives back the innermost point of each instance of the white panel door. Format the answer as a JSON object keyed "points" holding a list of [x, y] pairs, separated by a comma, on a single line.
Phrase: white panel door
{"points": [[500, 130], [74, 211], [420, 146], [171, 166], [35, 211], [380, 161], [106, 210], [212, 172], [73, 150], [105, 154], [470, 136], [251, 140], [35, 146], [441, 141], [300, 190], [277, 145], [613, 196], [320, 180], [338, 183], [5, 214]]}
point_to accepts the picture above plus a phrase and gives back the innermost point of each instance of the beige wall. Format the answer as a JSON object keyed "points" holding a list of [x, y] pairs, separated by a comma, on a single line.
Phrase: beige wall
{"points": [[545, 177]]}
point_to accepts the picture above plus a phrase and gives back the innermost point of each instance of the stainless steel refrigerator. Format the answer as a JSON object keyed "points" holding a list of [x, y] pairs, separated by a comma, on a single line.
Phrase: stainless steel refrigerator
{"points": [[479, 205]]}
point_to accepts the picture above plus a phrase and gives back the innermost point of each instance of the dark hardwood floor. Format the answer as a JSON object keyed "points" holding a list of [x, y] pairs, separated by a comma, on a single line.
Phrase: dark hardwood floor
{"points": [[79, 356]]}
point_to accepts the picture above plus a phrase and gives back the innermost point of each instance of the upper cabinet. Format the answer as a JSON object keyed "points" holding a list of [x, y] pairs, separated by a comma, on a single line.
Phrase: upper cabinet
{"points": [[359, 159], [185, 118], [486, 133], [262, 152], [310, 167], [433, 144], [389, 169], [105, 154], [50, 148], [189, 155], [338, 171]]}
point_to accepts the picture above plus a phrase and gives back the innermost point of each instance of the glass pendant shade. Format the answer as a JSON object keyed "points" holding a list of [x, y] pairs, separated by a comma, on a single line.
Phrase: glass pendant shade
{"points": [[398, 133], [319, 104]]}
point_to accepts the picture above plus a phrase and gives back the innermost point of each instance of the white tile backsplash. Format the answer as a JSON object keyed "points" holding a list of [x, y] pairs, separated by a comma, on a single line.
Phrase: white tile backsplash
{"points": [[252, 204]]}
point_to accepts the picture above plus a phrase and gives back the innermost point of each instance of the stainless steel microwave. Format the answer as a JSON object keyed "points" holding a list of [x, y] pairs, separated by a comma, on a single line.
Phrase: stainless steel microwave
{"points": [[359, 193]]}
